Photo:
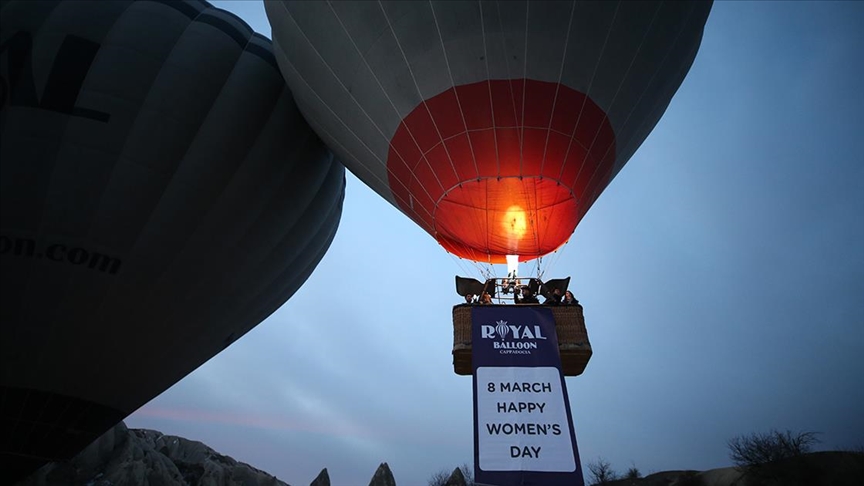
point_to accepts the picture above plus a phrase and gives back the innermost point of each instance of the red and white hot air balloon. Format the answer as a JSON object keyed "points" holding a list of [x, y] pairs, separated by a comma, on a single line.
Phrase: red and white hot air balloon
{"points": [[493, 125]]}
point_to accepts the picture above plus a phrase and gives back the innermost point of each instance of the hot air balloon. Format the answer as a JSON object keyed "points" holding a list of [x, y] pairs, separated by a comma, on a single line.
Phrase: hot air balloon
{"points": [[161, 196], [493, 125]]}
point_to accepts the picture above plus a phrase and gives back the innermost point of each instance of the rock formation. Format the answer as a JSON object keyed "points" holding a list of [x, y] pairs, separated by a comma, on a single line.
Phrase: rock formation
{"points": [[456, 479], [323, 479], [146, 457], [383, 476]]}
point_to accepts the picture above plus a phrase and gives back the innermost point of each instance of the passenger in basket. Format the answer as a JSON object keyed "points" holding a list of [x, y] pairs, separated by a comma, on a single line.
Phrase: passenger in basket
{"points": [[485, 298], [528, 297], [554, 298], [569, 299], [469, 298]]}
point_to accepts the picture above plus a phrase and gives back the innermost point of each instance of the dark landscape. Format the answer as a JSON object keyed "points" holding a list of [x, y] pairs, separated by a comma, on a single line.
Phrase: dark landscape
{"points": [[133, 457]]}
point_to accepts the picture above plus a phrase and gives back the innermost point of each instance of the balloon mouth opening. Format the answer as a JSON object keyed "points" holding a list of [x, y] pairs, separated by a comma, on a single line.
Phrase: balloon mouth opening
{"points": [[483, 256], [508, 219]]}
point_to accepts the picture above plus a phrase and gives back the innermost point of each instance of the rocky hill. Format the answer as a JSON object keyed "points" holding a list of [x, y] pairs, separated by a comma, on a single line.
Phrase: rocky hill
{"points": [[139, 457], [125, 456]]}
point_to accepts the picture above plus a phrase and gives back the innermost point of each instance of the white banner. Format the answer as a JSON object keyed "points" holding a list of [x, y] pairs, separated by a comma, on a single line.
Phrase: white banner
{"points": [[522, 420]]}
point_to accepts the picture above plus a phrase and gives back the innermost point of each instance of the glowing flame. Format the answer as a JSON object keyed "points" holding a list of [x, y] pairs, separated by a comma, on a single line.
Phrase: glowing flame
{"points": [[515, 222], [512, 265]]}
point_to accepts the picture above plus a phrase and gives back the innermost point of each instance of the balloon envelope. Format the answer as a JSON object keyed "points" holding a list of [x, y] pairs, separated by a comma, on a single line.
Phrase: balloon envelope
{"points": [[161, 195], [493, 125]]}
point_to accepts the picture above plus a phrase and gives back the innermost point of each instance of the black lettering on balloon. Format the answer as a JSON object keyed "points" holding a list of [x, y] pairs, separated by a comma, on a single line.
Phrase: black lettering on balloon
{"points": [[19, 88], [70, 67], [58, 252]]}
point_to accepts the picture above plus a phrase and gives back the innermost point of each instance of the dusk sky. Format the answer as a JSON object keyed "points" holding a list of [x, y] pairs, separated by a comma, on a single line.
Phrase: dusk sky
{"points": [[721, 274]]}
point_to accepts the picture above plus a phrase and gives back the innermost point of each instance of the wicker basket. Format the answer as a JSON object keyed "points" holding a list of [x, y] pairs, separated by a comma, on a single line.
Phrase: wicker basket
{"points": [[573, 341]]}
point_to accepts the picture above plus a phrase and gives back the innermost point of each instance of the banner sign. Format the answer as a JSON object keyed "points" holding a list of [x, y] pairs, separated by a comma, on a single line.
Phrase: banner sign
{"points": [[523, 431]]}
